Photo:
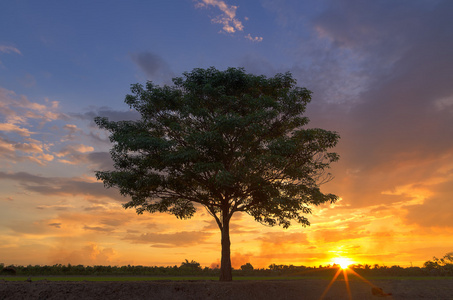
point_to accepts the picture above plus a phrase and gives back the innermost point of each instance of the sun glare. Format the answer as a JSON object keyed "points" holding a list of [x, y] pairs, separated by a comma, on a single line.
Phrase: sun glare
{"points": [[343, 262]]}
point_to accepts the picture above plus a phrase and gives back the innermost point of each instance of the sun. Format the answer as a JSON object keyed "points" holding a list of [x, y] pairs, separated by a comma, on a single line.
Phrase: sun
{"points": [[343, 262]]}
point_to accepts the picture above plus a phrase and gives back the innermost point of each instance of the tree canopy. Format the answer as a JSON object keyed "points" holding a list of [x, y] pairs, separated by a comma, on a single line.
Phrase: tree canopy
{"points": [[227, 141]]}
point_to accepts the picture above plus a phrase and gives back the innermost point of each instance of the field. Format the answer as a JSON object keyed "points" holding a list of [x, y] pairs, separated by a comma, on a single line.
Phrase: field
{"points": [[91, 287]]}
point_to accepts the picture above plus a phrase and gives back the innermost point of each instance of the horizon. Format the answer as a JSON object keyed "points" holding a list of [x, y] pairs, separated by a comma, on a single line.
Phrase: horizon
{"points": [[333, 264], [380, 74]]}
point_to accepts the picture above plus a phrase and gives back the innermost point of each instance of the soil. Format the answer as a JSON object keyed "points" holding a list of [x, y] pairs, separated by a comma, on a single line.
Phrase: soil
{"points": [[237, 290]]}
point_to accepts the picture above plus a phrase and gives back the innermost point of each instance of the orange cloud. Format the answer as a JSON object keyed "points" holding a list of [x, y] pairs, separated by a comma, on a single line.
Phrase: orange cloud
{"points": [[7, 149], [72, 149], [239, 259], [254, 39], [168, 240], [29, 147], [90, 254], [228, 17], [7, 127]]}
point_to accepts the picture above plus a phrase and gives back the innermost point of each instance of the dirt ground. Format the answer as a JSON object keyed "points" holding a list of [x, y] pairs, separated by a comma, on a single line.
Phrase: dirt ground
{"points": [[238, 290]]}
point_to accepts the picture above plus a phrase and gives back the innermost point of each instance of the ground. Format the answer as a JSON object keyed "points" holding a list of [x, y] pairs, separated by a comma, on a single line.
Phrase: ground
{"points": [[237, 290]]}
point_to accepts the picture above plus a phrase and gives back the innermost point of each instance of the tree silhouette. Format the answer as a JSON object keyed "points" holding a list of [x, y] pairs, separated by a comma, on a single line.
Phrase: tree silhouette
{"points": [[247, 267], [227, 141]]}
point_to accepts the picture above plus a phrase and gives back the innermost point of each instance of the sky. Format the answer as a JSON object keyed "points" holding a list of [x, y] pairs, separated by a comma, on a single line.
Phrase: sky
{"points": [[381, 73]]}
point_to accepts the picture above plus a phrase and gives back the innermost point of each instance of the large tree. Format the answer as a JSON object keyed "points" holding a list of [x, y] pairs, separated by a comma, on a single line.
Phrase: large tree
{"points": [[227, 141]]}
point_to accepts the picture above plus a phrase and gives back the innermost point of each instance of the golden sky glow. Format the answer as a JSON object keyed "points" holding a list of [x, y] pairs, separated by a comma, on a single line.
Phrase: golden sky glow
{"points": [[343, 262], [381, 77]]}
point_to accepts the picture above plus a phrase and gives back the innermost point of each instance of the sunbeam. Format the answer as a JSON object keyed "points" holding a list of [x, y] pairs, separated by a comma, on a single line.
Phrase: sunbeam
{"points": [[375, 290], [330, 284]]}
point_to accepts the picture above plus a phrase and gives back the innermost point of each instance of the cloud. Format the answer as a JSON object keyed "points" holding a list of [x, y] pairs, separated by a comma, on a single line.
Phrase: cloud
{"points": [[71, 128], [228, 18], [38, 228], [100, 160], [56, 225], [339, 235], [230, 24], [91, 254], [98, 228], [58, 186], [56, 207], [154, 66], [7, 149], [8, 127], [19, 110], [254, 39], [393, 133], [169, 240], [280, 246], [107, 219], [20, 114], [29, 147], [113, 115], [96, 138], [77, 154], [41, 159], [9, 49], [239, 259], [19, 120], [73, 149], [12, 152], [279, 239], [72, 131], [436, 210]]}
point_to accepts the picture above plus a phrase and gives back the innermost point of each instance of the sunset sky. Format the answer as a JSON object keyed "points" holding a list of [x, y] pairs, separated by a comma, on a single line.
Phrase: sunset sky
{"points": [[381, 73]]}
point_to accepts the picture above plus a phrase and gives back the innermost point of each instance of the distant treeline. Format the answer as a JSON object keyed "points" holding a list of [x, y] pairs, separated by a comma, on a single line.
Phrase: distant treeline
{"points": [[436, 267]]}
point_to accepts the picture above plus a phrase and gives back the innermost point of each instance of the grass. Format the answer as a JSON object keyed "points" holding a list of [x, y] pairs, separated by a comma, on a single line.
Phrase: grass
{"points": [[195, 278], [140, 278], [412, 277]]}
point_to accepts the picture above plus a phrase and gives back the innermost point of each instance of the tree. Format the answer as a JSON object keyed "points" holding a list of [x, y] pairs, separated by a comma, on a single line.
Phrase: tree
{"points": [[226, 141], [247, 267], [442, 265], [191, 266]]}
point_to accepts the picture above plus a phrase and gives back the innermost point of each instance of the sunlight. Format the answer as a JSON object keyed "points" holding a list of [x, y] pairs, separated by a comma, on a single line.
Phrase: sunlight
{"points": [[343, 262]]}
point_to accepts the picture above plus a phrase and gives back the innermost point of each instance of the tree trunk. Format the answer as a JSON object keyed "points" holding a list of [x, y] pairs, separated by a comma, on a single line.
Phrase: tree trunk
{"points": [[225, 262]]}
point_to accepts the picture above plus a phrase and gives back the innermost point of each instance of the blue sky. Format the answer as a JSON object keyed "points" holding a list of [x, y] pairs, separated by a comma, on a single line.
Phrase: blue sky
{"points": [[381, 73]]}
